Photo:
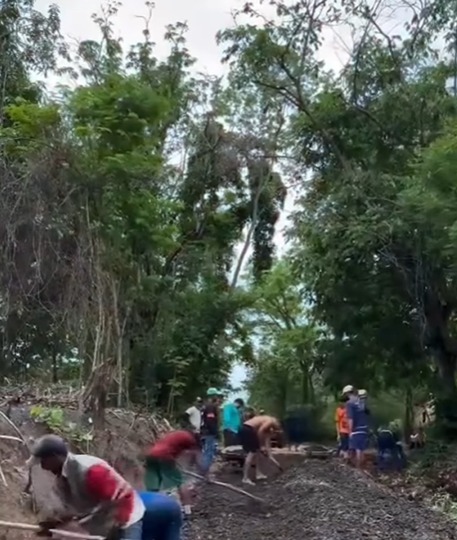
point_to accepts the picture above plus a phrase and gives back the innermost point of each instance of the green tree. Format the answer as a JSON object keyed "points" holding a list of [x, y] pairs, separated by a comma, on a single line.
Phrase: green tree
{"points": [[286, 369], [115, 255], [382, 289]]}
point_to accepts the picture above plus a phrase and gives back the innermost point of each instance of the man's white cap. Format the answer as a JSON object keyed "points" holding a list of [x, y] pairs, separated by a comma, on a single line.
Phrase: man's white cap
{"points": [[363, 393], [348, 389]]}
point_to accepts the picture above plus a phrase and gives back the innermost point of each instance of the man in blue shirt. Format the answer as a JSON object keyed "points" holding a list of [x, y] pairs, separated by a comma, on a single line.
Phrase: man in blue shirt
{"points": [[231, 421], [358, 419]]}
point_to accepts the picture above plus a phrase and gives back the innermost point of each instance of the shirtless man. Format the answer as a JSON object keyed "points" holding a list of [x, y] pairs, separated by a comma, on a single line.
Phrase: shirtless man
{"points": [[255, 437]]}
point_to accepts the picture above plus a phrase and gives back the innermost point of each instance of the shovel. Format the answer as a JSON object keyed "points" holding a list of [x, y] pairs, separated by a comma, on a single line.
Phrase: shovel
{"points": [[224, 485]]}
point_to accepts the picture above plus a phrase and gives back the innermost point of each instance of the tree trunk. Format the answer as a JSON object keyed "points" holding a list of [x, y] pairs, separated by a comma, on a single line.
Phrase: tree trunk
{"points": [[55, 368], [409, 414], [446, 393]]}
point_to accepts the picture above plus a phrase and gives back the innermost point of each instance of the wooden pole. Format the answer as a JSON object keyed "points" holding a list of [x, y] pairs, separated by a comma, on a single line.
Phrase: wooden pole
{"points": [[11, 438], [224, 485], [59, 532]]}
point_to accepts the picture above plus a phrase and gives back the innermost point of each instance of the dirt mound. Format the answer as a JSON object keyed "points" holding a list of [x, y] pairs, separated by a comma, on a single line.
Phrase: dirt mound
{"points": [[318, 501], [121, 442]]}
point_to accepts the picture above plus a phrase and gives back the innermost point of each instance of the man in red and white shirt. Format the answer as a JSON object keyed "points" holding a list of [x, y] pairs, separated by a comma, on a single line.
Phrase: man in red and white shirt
{"points": [[92, 490]]}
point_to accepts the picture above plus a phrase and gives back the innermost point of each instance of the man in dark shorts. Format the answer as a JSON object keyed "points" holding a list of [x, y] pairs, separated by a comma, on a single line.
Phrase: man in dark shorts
{"points": [[255, 435]]}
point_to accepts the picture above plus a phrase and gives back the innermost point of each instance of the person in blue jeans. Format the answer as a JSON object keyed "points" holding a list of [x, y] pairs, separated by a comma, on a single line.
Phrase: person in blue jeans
{"points": [[358, 419], [210, 427], [162, 518]]}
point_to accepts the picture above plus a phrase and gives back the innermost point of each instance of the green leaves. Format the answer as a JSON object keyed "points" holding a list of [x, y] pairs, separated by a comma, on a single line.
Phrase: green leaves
{"points": [[372, 226]]}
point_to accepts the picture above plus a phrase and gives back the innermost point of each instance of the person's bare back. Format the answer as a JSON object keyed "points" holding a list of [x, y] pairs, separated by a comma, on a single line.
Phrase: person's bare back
{"points": [[264, 424]]}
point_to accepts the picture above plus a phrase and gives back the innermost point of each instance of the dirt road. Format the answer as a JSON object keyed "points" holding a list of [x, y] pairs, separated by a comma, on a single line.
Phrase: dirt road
{"points": [[318, 500]]}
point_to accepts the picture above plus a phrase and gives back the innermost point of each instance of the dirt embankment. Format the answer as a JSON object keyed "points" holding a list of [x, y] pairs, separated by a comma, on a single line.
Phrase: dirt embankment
{"points": [[121, 442]]}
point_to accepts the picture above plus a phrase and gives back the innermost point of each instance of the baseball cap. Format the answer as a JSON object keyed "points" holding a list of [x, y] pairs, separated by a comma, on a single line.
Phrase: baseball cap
{"points": [[49, 445], [363, 393], [212, 392], [348, 389]]}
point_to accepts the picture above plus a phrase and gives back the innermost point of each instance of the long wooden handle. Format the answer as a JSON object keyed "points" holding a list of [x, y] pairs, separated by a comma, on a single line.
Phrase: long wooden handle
{"points": [[36, 528], [274, 461], [224, 485], [11, 438]]}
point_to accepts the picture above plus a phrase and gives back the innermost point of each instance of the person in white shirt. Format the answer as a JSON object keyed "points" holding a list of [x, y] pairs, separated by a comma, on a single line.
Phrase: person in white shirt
{"points": [[194, 415]]}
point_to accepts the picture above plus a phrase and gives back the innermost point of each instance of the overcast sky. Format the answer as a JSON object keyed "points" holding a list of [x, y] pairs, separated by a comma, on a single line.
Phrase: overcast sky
{"points": [[204, 18]]}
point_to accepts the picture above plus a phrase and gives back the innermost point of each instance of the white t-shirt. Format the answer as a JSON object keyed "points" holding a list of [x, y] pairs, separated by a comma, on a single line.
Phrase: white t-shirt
{"points": [[195, 417]]}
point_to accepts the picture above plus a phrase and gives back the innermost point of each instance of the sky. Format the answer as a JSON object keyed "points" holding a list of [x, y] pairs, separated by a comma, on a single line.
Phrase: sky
{"points": [[204, 19]]}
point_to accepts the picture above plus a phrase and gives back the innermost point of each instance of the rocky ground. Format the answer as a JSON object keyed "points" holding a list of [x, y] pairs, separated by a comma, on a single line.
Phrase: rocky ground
{"points": [[317, 500]]}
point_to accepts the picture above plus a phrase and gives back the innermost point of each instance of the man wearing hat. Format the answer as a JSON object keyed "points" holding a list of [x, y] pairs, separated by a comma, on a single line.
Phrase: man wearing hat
{"points": [[92, 491], [358, 419], [210, 426]]}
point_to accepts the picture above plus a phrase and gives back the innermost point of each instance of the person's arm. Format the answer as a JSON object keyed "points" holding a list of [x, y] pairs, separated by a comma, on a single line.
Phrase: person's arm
{"points": [[337, 423], [349, 414], [217, 415], [265, 433], [226, 416], [235, 418]]}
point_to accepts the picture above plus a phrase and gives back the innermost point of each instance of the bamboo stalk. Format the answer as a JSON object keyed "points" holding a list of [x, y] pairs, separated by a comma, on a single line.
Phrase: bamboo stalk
{"points": [[36, 528], [224, 485], [13, 426]]}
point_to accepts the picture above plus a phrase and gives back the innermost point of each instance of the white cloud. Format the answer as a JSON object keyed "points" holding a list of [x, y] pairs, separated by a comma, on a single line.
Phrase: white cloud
{"points": [[204, 17]]}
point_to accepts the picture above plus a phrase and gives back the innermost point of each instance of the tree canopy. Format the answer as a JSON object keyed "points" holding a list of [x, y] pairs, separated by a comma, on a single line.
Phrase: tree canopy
{"points": [[140, 207]]}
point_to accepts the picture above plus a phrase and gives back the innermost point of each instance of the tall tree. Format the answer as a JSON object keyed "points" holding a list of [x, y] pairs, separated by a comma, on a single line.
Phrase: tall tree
{"points": [[380, 287]]}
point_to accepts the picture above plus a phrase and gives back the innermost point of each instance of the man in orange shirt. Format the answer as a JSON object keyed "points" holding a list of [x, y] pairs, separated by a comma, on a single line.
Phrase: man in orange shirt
{"points": [[342, 427]]}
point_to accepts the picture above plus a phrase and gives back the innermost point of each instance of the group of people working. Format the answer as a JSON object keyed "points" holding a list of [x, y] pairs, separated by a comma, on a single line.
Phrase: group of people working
{"points": [[354, 426], [96, 497], [239, 426], [99, 499]]}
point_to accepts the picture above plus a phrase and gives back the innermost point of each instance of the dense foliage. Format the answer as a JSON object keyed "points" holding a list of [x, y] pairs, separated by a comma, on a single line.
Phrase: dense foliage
{"points": [[372, 233], [123, 200], [133, 202]]}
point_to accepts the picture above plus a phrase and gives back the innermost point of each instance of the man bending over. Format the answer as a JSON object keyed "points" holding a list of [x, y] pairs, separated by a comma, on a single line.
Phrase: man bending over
{"points": [[162, 469], [255, 437], [91, 491]]}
